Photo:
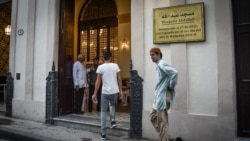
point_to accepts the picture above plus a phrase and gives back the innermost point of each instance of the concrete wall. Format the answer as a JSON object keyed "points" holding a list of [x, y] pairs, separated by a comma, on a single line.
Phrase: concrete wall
{"points": [[32, 54], [204, 106]]}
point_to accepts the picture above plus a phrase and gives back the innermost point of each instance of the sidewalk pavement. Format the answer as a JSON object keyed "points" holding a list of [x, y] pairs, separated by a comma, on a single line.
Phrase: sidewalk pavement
{"points": [[30, 130]]}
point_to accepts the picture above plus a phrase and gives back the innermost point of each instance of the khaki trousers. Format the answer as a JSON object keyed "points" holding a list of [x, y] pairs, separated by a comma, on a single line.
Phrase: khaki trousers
{"points": [[159, 119]]}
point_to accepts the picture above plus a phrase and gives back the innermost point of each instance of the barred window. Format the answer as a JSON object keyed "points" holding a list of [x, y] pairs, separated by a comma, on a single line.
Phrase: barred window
{"points": [[98, 29]]}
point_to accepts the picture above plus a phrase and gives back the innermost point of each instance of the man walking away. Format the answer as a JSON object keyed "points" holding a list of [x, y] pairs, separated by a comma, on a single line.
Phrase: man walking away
{"points": [[109, 74]]}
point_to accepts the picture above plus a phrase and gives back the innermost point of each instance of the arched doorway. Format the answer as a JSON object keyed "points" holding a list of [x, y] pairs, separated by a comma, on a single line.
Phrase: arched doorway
{"points": [[102, 25], [98, 29]]}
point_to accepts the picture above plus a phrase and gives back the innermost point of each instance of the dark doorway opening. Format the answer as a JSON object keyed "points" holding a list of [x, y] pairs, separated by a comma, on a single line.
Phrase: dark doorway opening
{"points": [[97, 32], [5, 21], [241, 19]]}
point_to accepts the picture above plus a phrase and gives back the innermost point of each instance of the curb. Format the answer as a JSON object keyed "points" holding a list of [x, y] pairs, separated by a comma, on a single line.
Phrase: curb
{"points": [[22, 136]]}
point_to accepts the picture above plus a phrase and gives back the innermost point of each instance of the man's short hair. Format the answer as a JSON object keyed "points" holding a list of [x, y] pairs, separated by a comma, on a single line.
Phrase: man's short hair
{"points": [[107, 55], [79, 56], [156, 50]]}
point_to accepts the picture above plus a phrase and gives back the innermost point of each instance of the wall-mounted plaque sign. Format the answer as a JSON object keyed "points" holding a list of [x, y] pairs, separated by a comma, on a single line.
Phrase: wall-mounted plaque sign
{"points": [[184, 23]]}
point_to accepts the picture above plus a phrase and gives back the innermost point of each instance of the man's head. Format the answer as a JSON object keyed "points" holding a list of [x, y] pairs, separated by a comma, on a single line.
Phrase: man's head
{"points": [[80, 57], [96, 60], [155, 54], [107, 55]]}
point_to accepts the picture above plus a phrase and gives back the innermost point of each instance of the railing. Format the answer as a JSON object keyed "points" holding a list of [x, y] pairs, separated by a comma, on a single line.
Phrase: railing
{"points": [[9, 94], [51, 96], [136, 96]]}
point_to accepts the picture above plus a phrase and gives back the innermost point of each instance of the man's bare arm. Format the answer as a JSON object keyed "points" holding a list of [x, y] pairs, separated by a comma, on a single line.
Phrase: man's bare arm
{"points": [[119, 80]]}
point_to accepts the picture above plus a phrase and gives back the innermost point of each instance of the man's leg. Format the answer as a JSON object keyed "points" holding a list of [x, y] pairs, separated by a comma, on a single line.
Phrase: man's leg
{"points": [[99, 99], [104, 107], [112, 106], [112, 101], [154, 120], [83, 101], [90, 102], [159, 119], [79, 99], [163, 114]]}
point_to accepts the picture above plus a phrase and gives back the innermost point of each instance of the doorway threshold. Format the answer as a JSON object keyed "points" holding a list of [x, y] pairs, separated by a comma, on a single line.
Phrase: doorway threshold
{"points": [[91, 122], [242, 139]]}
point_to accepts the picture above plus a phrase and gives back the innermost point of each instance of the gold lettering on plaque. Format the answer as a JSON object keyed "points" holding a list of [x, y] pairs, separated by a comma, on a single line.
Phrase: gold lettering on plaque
{"points": [[183, 23]]}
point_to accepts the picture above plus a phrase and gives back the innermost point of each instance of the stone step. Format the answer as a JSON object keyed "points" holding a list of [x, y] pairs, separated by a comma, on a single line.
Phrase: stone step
{"points": [[2, 112], [242, 139], [92, 124]]}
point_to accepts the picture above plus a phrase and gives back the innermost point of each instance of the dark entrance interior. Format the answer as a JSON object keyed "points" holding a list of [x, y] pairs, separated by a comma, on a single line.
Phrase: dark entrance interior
{"points": [[5, 20], [97, 32], [241, 19]]}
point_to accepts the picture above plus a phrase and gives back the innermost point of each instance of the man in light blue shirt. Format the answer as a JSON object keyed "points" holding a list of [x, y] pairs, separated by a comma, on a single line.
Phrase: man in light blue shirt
{"points": [[80, 82], [164, 92]]}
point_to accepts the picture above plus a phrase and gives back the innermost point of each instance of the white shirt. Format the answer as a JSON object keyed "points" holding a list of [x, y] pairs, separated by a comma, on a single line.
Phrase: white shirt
{"points": [[80, 74], [109, 77]]}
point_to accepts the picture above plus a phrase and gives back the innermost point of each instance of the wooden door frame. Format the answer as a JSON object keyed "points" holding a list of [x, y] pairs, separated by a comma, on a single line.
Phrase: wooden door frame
{"points": [[63, 46]]}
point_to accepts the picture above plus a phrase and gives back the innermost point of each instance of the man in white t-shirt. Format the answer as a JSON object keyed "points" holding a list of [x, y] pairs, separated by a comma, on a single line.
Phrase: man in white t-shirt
{"points": [[109, 74]]}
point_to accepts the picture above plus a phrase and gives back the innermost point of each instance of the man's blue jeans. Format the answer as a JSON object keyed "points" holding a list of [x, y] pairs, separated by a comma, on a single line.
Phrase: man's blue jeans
{"points": [[107, 100]]}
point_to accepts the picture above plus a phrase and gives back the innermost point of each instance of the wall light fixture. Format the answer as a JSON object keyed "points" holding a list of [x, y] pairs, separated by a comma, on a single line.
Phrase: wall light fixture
{"points": [[124, 44], [7, 30]]}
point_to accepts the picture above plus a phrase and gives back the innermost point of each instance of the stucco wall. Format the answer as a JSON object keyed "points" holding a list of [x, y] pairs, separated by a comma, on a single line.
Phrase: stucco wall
{"points": [[201, 109], [32, 54]]}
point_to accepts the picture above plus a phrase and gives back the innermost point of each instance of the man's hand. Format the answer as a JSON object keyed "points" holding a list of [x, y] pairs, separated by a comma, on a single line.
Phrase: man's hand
{"points": [[120, 95], [168, 96], [93, 96], [170, 89], [77, 88]]}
